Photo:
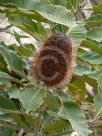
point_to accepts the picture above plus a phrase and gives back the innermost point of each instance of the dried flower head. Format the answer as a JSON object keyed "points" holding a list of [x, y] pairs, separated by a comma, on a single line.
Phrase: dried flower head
{"points": [[53, 63]]}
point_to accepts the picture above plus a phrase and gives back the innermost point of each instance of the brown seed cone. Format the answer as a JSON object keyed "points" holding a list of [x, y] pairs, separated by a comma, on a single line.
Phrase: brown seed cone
{"points": [[54, 61]]}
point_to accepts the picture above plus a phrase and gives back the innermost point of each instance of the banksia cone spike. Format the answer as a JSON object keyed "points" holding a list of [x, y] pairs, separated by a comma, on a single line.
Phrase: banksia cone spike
{"points": [[53, 63]]}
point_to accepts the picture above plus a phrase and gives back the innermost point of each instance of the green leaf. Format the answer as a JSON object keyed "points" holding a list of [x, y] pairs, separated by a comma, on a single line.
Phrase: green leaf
{"points": [[5, 77], [58, 127], [25, 50], [54, 13], [60, 28], [96, 75], [93, 46], [14, 92], [17, 37], [59, 2], [77, 89], [98, 99], [77, 33], [95, 34], [30, 14], [96, 19], [6, 117], [21, 49], [30, 121], [97, 8], [81, 70], [92, 57], [52, 102], [14, 61], [22, 122], [76, 118], [5, 131], [85, 74], [31, 98], [46, 119], [35, 29], [7, 105]]}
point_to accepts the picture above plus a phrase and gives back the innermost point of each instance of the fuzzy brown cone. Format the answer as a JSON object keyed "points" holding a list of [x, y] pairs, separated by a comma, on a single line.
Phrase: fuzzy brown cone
{"points": [[54, 61]]}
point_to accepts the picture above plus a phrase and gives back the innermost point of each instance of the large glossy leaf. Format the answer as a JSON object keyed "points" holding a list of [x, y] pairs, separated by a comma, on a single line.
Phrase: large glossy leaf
{"points": [[31, 98], [86, 75], [81, 70], [57, 14], [92, 57], [7, 105], [67, 112], [76, 118], [97, 19], [93, 46], [95, 34], [13, 60], [14, 92], [96, 75], [35, 29], [77, 33], [98, 99], [31, 15]]}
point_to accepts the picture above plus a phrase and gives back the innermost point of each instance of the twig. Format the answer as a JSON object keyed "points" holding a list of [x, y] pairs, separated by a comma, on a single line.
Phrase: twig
{"points": [[38, 124], [21, 132], [96, 120], [7, 27]]}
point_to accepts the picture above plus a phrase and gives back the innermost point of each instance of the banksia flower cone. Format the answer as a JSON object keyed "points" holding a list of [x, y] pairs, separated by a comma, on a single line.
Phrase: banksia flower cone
{"points": [[54, 61]]}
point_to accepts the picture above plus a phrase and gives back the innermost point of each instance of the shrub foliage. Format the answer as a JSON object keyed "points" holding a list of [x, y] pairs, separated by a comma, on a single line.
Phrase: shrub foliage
{"points": [[30, 109]]}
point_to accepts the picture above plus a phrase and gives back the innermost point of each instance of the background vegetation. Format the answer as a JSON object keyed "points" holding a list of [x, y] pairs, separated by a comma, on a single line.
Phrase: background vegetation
{"points": [[29, 109]]}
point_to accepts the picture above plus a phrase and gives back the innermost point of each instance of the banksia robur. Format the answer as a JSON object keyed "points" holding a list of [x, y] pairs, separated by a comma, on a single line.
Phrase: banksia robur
{"points": [[54, 61]]}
